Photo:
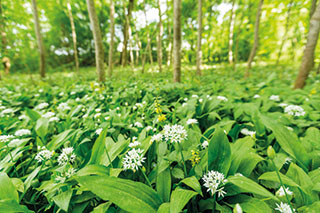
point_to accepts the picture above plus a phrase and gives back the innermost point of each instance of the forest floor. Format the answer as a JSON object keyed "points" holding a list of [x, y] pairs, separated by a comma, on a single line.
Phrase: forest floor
{"points": [[59, 136]]}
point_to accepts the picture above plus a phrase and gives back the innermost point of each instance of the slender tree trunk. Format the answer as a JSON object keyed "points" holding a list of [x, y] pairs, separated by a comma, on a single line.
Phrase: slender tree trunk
{"points": [[126, 33], [39, 39], [177, 40], [169, 54], [313, 8], [148, 34], [308, 55], [160, 32], [318, 69], [256, 39], [112, 38], [284, 38], [74, 35], [3, 34], [199, 51], [130, 48], [97, 40], [231, 28]]}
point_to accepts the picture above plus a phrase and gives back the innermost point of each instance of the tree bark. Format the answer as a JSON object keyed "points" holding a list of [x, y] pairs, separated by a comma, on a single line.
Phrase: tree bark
{"points": [[169, 54], [284, 38], [112, 11], [97, 40], [308, 55], [149, 49], [74, 35], [199, 51], [160, 32], [177, 40], [39, 39], [231, 28], [130, 48], [256, 39], [126, 33], [313, 8]]}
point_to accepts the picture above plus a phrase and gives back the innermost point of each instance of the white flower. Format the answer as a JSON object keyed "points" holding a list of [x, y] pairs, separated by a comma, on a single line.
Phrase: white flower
{"points": [[61, 94], [78, 99], [289, 128], [138, 124], [282, 190], [22, 132], [283, 105], [247, 132], [158, 137], [274, 98], [205, 144], [7, 111], [48, 115], [174, 133], [70, 172], [63, 107], [288, 160], [256, 96], [237, 208], [22, 117], [133, 159], [294, 110], [53, 119], [184, 104], [222, 98], [134, 144], [66, 156], [107, 118], [284, 208], [72, 93], [213, 180], [42, 106], [97, 115], [195, 96], [43, 155], [200, 100], [185, 99], [60, 179], [98, 110], [192, 121], [98, 131], [148, 128], [5, 138]]}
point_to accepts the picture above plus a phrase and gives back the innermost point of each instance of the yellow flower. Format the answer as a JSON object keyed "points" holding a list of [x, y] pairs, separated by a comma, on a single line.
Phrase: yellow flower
{"points": [[195, 157], [0, 132], [313, 91], [161, 118], [158, 110]]}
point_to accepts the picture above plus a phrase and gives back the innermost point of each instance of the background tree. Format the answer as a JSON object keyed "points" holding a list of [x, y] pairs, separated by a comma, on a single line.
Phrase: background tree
{"points": [[177, 40], [126, 32], [308, 56], [97, 40], [199, 51], [111, 48], [159, 43], [231, 28], [74, 35], [39, 39], [256, 39]]}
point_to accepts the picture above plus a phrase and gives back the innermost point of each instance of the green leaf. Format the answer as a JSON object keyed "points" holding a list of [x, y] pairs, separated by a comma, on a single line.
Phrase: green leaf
{"points": [[42, 127], [33, 115], [127, 194], [98, 148], [12, 206], [219, 152], [59, 140], [7, 189], [179, 198], [164, 208], [272, 176], [255, 205], [102, 208], [246, 185], [63, 199], [193, 183], [164, 185], [28, 181], [93, 170]]}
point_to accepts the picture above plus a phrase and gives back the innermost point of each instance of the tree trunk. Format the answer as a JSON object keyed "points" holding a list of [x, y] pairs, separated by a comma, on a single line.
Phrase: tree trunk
{"points": [[177, 40], [126, 33], [284, 38], [199, 51], [313, 8], [149, 49], [308, 55], [256, 39], [74, 35], [2, 34], [231, 28], [111, 38], [169, 54], [39, 39], [97, 40], [130, 48], [160, 32]]}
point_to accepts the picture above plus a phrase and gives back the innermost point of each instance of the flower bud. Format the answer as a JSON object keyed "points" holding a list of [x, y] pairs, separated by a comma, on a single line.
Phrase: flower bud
{"points": [[237, 209], [271, 153]]}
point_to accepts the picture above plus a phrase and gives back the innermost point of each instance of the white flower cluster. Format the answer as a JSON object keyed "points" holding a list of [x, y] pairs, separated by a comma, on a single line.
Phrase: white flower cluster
{"points": [[133, 159], [192, 121], [222, 98], [66, 156], [5, 138], [138, 124], [205, 144], [284, 208], [98, 131], [294, 110], [68, 174], [157, 137], [6, 112], [134, 144], [256, 96], [282, 192], [42, 106], [174, 133], [51, 116], [214, 181], [43, 155], [247, 132], [63, 107], [274, 98], [22, 132]]}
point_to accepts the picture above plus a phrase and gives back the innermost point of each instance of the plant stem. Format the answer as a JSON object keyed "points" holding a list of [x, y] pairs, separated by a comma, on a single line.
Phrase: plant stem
{"points": [[145, 176], [183, 162], [281, 183], [214, 202], [14, 167]]}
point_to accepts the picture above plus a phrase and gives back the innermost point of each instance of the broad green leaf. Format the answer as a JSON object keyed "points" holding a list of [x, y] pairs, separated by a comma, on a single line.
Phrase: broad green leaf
{"points": [[102, 208], [247, 185], [255, 205], [179, 198], [98, 148], [219, 152], [127, 194], [63, 199], [164, 185], [12, 206], [28, 181], [58, 140], [272, 176], [164, 208], [42, 127], [193, 183], [93, 170], [7, 189], [33, 115]]}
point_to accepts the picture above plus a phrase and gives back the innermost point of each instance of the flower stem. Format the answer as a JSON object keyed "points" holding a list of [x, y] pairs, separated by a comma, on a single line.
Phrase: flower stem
{"points": [[214, 202], [14, 167], [183, 162], [145, 176], [281, 183]]}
